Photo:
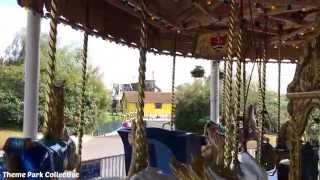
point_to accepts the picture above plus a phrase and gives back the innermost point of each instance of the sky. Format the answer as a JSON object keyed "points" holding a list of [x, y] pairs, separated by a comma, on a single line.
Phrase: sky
{"points": [[119, 64]]}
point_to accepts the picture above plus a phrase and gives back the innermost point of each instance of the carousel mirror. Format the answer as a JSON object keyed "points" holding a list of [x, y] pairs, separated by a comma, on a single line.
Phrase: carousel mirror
{"points": [[312, 131]]}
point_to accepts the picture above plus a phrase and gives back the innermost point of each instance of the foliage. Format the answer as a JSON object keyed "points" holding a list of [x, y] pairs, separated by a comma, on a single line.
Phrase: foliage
{"points": [[10, 110], [11, 78], [11, 95], [97, 97], [193, 105]]}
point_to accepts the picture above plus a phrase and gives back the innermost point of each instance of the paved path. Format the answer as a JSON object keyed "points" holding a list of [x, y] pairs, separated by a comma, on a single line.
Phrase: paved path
{"points": [[102, 146], [109, 145]]}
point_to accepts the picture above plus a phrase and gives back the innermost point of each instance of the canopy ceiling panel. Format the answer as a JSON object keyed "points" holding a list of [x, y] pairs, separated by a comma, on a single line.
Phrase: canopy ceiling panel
{"points": [[199, 26]]}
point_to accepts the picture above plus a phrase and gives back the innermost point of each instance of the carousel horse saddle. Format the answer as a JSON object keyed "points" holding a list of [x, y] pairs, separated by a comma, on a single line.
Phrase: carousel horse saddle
{"points": [[164, 145], [26, 155]]}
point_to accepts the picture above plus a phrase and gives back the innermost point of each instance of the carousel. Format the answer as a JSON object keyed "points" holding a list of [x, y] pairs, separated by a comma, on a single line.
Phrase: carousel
{"points": [[235, 32]]}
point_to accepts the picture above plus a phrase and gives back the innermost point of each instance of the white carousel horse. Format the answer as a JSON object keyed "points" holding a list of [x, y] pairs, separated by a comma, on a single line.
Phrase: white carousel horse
{"points": [[249, 168]]}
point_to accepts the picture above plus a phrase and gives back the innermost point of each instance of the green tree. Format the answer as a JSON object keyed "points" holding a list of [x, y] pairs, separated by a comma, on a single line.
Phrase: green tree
{"points": [[10, 110], [11, 95], [193, 105], [98, 98]]}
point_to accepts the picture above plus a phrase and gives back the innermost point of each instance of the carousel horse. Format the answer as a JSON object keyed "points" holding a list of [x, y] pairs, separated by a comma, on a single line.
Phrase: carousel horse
{"points": [[163, 146], [209, 165], [269, 155], [212, 152]]}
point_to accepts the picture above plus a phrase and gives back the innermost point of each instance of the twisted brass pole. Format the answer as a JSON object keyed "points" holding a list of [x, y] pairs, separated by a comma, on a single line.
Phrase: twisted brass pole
{"points": [[173, 99], [83, 94], [259, 113], [224, 92], [262, 70], [51, 68], [244, 84], [279, 84], [229, 116], [83, 85], [237, 97], [140, 145]]}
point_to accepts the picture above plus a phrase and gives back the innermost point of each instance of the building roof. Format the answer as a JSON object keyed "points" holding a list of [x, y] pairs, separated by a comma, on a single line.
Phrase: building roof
{"points": [[150, 97]]}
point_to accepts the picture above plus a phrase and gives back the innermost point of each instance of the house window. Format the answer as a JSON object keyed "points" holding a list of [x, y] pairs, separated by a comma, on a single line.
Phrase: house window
{"points": [[158, 105]]}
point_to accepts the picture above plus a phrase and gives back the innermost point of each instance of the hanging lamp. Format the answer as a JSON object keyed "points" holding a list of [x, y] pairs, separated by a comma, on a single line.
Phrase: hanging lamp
{"points": [[198, 72]]}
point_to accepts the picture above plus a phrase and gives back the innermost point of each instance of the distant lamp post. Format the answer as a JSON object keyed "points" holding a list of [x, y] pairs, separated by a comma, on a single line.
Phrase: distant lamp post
{"points": [[197, 72]]}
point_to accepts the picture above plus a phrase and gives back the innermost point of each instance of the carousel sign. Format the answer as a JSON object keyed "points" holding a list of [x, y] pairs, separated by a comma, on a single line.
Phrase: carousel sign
{"points": [[211, 43]]}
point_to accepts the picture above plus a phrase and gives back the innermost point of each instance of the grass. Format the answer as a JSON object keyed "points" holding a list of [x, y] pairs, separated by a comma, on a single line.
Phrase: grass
{"points": [[109, 117], [6, 133]]}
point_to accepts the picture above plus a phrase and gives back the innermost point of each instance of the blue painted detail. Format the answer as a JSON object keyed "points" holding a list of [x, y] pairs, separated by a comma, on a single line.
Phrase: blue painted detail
{"points": [[163, 144], [2, 169], [26, 155], [90, 169], [164, 155]]}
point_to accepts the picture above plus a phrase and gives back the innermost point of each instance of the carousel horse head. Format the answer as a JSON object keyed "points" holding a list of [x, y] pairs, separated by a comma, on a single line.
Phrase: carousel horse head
{"points": [[215, 140], [252, 121], [214, 153]]}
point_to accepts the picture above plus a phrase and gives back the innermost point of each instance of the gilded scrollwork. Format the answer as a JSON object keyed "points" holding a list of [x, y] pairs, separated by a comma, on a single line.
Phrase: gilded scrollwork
{"points": [[306, 81]]}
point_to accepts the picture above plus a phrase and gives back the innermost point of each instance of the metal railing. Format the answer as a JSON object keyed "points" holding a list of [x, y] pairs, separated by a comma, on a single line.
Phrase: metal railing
{"points": [[107, 128], [111, 167]]}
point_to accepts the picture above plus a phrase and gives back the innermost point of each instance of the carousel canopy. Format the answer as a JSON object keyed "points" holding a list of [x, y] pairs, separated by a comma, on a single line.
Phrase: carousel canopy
{"points": [[199, 26]]}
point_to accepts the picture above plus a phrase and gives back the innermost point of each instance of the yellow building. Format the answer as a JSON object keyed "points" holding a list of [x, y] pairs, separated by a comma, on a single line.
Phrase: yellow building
{"points": [[157, 104]]}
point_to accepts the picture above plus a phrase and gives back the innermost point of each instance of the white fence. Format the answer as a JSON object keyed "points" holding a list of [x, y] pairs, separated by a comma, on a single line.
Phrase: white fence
{"points": [[112, 167]]}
